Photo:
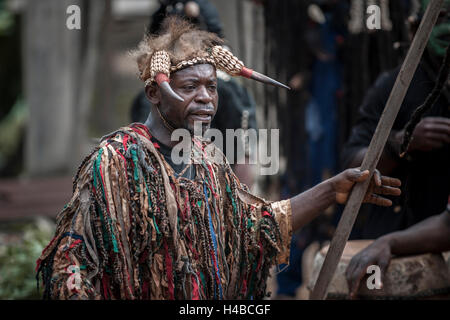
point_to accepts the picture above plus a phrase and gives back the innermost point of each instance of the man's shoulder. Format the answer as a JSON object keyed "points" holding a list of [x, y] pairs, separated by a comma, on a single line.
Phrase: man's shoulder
{"points": [[132, 133], [118, 146], [132, 136]]}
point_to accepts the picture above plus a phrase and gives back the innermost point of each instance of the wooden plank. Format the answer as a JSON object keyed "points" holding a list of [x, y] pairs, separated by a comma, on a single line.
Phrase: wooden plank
{"points": [[376, 148], [25, 198]]}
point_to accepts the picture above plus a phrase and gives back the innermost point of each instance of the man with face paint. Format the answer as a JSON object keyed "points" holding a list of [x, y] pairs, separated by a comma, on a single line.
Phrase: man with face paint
{"points": [[425, 171], [140, 227]]}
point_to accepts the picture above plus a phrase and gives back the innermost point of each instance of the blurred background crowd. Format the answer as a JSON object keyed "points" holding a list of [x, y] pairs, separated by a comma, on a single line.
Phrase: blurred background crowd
{"points": [[61, 90]]}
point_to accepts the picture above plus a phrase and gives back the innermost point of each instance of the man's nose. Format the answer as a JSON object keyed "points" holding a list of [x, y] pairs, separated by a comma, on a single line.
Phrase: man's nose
{"points": [[203, 96]]}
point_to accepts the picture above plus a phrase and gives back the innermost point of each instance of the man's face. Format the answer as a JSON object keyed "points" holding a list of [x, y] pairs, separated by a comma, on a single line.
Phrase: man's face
{"points": [[197, 85]]}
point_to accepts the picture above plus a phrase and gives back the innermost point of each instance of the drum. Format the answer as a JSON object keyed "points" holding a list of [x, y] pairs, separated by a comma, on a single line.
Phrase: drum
{"points": [[411, 277]]}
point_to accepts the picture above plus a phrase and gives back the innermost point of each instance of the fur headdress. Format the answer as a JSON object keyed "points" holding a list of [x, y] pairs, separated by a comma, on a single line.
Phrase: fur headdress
{"points": [[181, 45]]}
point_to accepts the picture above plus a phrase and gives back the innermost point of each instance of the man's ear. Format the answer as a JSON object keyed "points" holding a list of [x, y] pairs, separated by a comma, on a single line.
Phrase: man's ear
{"points": [[153, 94]]}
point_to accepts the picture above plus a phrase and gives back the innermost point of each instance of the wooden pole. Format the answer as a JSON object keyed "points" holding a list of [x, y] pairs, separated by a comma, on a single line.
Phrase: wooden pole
{"points": [[376, 148]]}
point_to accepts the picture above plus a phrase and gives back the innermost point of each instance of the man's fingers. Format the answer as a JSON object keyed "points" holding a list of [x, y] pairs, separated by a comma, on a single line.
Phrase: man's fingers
{"points": [[342, 197], [355, 272], [388, 186], [437, 120], [353, 287], [387, 191], [354, 276], [377, 177], [438, 136], [379, 201], [388, 181], [357, 175], [438, 126], [383, 264]]}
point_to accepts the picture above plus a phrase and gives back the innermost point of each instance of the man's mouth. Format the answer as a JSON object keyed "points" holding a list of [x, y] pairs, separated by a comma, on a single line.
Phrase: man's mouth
{"points": [[204, 115]]}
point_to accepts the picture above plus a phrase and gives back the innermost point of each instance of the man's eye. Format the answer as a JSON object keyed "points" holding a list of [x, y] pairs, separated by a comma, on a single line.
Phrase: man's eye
{"points": [[189, 87], [213, 87]]}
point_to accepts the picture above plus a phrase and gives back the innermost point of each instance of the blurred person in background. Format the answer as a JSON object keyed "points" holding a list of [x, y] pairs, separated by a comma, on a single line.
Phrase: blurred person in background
{"points": [[324, 36], [425, 170]]}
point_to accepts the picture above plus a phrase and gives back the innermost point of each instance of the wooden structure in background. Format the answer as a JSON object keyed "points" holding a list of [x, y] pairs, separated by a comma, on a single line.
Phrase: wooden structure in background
{"points": [[59, 76], [28, 198]]}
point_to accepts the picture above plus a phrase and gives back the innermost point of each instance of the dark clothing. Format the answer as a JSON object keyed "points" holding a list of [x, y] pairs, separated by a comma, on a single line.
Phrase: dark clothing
{"points": [[235, 102], [188, 171], [425, 176]]}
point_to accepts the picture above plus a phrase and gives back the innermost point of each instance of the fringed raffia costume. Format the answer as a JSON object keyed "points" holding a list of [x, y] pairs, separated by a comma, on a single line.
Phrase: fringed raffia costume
{"points": [[135, 229]]}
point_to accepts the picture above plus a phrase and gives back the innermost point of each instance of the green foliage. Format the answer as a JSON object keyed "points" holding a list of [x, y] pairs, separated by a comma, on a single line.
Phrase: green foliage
{"points": [[6, 19], [18, 262], [12, 127]]}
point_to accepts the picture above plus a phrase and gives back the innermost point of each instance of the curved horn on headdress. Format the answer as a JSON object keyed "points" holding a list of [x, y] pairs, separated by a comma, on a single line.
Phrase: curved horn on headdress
{"points": [[251, 74], [163, 82], [160, 71], [227, 62]]}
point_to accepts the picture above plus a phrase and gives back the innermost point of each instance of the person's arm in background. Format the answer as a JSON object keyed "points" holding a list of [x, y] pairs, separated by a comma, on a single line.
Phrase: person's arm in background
{"points": [[430, 133], [430, 235]]}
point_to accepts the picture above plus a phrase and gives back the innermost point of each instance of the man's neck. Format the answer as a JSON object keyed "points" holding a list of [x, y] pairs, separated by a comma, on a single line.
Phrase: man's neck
{"points": [[158, 129]]}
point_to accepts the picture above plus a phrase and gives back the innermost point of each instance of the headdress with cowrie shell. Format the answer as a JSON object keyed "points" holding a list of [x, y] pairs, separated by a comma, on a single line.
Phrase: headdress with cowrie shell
{"points": [[181, 45]]}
